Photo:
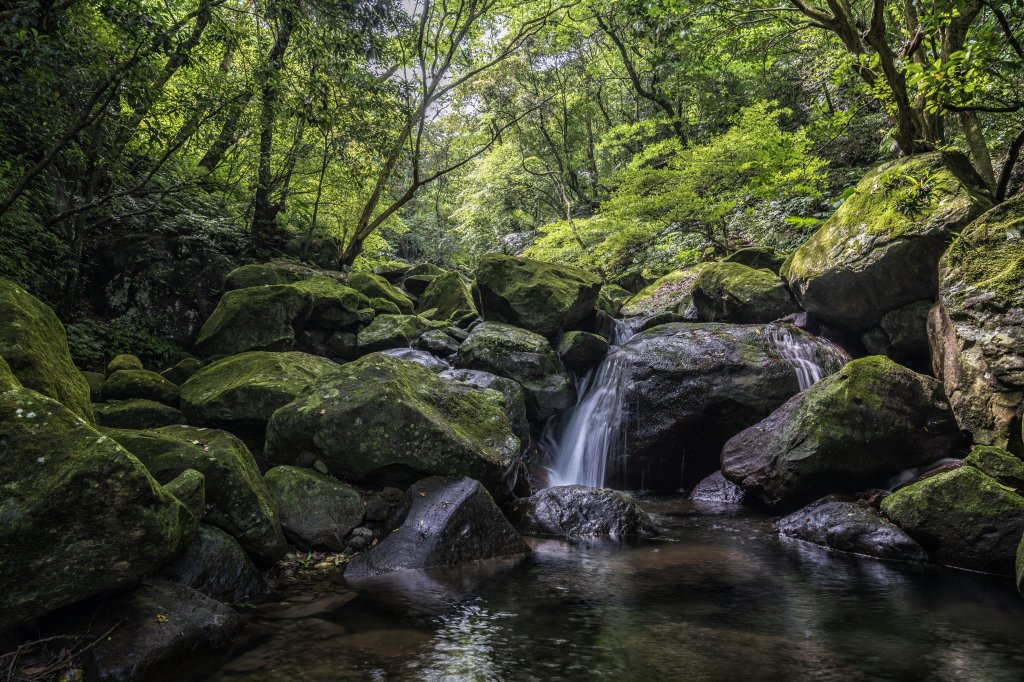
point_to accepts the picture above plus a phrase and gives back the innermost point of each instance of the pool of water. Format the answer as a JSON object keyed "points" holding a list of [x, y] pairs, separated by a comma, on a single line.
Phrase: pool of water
{"points": [[718, 597]]}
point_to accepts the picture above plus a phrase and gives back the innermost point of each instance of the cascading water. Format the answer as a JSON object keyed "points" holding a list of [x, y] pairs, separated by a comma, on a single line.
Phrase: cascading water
{"points": [[581, 439], [813, 358]]}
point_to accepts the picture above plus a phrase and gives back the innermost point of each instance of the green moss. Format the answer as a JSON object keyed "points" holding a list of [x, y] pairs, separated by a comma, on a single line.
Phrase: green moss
{"points": [[316, 511], [393, 331], [733, 292], [257, 318], [375, 286], [1006, 468], [136, 413], [126, 384], [335, 306], [7, 379], [448, 296], [123, 361], [269, 274], [189, 487], [382, 306], [35, 346], [668, 294]]}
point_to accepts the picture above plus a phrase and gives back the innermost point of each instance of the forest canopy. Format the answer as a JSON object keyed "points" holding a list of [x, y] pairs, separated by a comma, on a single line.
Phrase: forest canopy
{"points": [[626, 137]]}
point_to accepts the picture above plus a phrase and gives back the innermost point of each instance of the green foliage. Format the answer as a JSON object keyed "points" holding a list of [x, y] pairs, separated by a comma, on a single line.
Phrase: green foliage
{"points": [[94, 343]]}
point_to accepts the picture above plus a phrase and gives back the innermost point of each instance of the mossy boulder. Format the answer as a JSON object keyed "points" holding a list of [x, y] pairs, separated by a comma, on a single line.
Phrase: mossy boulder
{"points": [[35, 346], [126, 384], [448, 297], [758, 257], [511, 391], [855, 428], [963, 518], [881, 249], [977, 327], [383, 421], [79, 515], [524, 357], [612, 298], [733, 292], [335, 306], [375, 286], [382, 306], [256, 318], [182, 370], [580, 351], [190, 488], [317, 512], [137, 413], [217, 566], [123, 361], [417, 284], [542, 297], [237, 498], [671, 293], [95, 381], [268, 274], [242, 391], [1006, 468], [7, 379], [393, 331]]}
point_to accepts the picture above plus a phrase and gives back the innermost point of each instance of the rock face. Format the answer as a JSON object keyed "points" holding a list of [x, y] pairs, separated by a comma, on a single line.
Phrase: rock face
{"points": [[669, 294], [1006, 468], [448, 297], [385, 421], [541, 297], [35, 346], [870, 420], [375, 286], [137, 414], [450, 520], [393, 331], [237, 499], [80, 514], [579, 511], [257, 318], [902, 334], [335, 306], [580, 351], [216, 565], [515, 397], [717, 488], [962, 518], [687, 389], [846, 526], [881, 249], [317, 512], [242, 391], [977, 327], [733, 292], [524, 357], [126, 384]]}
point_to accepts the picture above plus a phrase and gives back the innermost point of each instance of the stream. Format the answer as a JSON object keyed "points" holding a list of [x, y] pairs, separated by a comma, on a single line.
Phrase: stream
{"points": [[718, 597]]}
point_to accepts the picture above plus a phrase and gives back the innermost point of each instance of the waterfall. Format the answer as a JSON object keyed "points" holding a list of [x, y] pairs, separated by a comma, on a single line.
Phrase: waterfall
{"points": [[813, 358], [581, 439]]}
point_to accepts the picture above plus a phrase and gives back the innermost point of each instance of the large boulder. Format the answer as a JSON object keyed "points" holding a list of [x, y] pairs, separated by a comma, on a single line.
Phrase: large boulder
{"points": [[317, 512], [216, 565], [257, 318], [137, 413], [962, 518], [672, 293], [758, 257], [35, 346], [1006, 468], [859, 426], [127, 384], [525, 357], [393, 331], [688, 388], [80, 515], [335, 306], [450, 520], [881, 249], [580, 351], [846, 526], [241, 392], [513, 393], [123, 361], [718, 489], [375, 286], [572, 511], [977, 327], [268, 274], [381, 420], [237, 499], [733, 292], [447, 298], [542, 297]]}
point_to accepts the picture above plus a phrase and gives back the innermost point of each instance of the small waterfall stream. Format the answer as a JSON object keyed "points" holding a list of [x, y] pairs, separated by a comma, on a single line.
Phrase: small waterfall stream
{"points": [[813, 358]]}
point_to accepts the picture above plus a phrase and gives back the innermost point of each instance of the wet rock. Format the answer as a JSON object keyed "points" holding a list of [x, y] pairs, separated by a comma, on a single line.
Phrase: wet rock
{"points": [[375, 286], [35, 346], [543, 298], [81, 515], [846, 526], [450, 520], [257, 318], [977, 327], [439, 343], [572, 511], [580, 351], [394, 331], [420, 357], [672, 293], [511, 391], [317, 512], [383, 421], [136, 414], [732, 292], [128, 384], [717, 488], [217, 566], [868, 421], [524, 357]]}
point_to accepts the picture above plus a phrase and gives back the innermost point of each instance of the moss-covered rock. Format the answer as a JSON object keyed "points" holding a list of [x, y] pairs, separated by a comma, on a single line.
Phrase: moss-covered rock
{"points": [[126, 384], [417, 284], [977, 327], [1020, 567], [758, 257], [257, 318], [79, 515], [385, 421], [881, 249], [317, 512], [669, 294], [612, 298], [524, 357], [335, 306], [733, 292], [35, 346], [137, 413], [240, 392], [580, 351], [182, 370], [7, 378], [542, 297], [382, 306], [375, 286], [237, 498], [95, 381], [448, 297], [190, 488], [123, 361], [217, 566], [511, 391], [393, 331], [268, 274], [962, 518], [1006, 468], [857, 427], [439, 342]]}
